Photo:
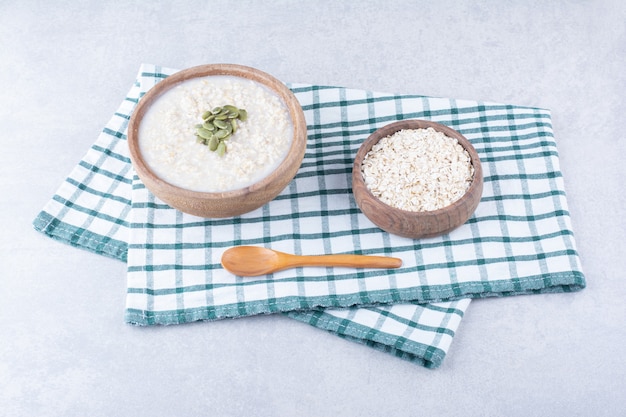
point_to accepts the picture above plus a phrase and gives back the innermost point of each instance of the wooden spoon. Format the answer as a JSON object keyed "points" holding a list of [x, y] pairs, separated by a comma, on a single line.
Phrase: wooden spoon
{"points": [[249, 261]]}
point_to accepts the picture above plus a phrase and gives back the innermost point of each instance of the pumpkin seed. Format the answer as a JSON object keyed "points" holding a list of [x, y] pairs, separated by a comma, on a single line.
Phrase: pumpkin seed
{"points": [[213, 143], [221, 149], [221, 134], [220, 124], [202, 132]]}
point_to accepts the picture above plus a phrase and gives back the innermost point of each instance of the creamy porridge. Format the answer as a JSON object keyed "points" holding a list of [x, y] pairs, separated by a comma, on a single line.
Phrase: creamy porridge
{"points": [[168, 141]]}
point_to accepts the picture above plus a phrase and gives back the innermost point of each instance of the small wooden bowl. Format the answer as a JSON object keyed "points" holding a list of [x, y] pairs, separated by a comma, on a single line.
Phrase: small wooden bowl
{"points": [[409, 223], [227, 203]]}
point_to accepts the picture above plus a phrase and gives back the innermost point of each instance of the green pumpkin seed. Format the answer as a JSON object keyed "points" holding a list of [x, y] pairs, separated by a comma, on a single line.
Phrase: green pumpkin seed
{"points": [[213, 143], [221, 149], [233, 112], [220, 124], [202, 132], [221, 134]]}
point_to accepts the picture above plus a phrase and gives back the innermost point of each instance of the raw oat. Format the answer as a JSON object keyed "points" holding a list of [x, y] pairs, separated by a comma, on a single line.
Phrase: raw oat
{"points": [[418, 170]]}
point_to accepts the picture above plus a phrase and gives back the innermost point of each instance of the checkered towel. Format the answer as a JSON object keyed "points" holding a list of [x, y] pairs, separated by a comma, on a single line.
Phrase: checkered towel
{"points": [[519, 241]]}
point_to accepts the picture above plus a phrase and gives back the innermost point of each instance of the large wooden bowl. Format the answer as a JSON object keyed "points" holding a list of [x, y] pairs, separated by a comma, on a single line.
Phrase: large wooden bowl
{"points": [[227, 203], [409, 223]]}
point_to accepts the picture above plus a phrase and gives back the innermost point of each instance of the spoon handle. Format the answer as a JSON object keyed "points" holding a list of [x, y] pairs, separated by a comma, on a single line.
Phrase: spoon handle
{"points": [[356, 261]]}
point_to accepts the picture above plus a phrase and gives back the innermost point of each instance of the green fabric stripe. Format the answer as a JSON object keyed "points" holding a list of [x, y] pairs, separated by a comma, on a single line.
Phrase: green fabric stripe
{"points": [[93, 213], [103, 195], [565, 281], [111, 154], [301, 237], [437, 307], [99, 171], [81, 238]]}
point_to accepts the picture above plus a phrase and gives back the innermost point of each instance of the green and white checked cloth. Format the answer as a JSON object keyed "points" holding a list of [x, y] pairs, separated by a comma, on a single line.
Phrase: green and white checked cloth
{"points": [[519, 241]]}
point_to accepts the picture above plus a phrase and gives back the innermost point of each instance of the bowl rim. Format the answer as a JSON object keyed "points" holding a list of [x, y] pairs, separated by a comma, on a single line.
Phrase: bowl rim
{"points": [[219, 69], [394, 127]]}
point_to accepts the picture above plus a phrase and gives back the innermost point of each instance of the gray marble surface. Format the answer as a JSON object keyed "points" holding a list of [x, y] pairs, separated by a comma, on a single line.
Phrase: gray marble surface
{"points": [[64, 348]]}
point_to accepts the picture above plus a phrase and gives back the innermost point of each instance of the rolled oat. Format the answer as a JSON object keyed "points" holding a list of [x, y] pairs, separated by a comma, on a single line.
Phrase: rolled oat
{"points": [[418, 170]]}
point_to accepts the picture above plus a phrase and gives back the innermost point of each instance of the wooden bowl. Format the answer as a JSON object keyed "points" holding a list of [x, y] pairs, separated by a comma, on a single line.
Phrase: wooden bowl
{"points": [[410, 223], [226, 203]]}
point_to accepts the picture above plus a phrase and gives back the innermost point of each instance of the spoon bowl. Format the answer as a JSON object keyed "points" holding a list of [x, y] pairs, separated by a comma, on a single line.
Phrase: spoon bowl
{"points": [[249, 261]]}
